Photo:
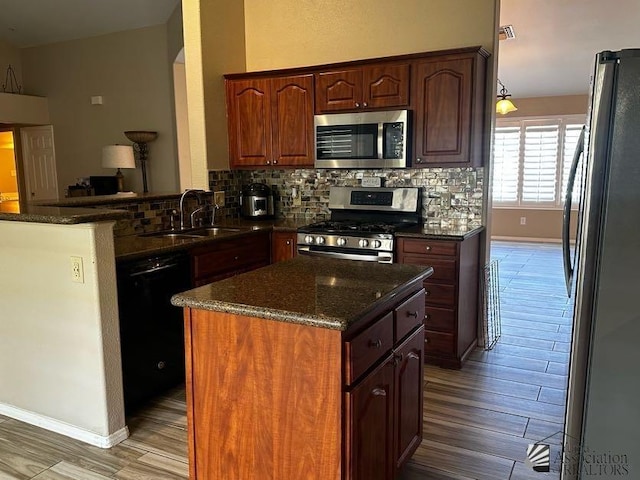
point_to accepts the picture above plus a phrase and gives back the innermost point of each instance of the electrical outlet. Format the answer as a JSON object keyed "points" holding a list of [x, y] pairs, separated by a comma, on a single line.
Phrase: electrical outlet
{"points": [[297, 201], [445, 199], [77, 272], [218, 198], [523, 220]]}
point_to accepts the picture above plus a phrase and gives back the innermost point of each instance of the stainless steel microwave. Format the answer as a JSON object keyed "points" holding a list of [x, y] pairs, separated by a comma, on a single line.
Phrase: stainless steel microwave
{"points": [[362, 140]]}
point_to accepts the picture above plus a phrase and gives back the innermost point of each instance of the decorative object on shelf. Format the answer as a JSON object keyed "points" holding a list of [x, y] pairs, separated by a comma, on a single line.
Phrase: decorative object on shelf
{"points": [[140, 138], [504, 105], [10, 81], [118, 156]]}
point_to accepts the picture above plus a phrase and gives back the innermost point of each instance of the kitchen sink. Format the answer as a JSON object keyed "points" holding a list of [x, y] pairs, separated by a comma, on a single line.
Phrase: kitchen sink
{"points": [[193, 233]]}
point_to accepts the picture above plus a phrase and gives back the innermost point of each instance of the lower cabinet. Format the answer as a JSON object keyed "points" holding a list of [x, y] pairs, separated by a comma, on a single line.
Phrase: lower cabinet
{"points": [[283, 245], [451, 295], [384, 412], [226, 258], [330, 405]]}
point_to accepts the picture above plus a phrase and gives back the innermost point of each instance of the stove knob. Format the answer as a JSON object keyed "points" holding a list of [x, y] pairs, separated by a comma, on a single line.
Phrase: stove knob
{"points": [[341, 241], [363, 243], [308, 239], [319, 240], [376, 244]]}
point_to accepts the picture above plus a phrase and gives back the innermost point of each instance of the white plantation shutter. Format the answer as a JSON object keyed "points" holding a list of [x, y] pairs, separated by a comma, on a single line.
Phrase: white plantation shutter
{"points": [[506, 164], [571, 134], [540, 164], [532, 158]]}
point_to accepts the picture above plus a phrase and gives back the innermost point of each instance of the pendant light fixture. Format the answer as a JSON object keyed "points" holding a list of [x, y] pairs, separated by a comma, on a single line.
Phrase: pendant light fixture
{"points": [[504, 105]]}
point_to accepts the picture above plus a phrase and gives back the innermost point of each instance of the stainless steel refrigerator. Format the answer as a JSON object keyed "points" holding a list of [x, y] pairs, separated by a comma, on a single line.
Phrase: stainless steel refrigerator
{"points": [[602, 427]]}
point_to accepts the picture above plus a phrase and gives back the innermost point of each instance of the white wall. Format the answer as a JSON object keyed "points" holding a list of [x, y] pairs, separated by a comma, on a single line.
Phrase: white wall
{"points": [[131, 70], [59, 340]]}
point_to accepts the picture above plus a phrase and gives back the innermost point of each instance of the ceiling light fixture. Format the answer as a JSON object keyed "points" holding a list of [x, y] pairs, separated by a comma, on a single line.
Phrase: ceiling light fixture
{"points": [[504, 105]]}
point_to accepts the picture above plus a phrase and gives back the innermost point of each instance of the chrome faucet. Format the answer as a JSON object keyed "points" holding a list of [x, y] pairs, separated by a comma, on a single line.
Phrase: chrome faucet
{"points": [[196, 192]]}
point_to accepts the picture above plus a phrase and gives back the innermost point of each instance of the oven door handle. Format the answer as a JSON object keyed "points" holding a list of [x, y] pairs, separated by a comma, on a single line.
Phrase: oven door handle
{"points": [[346, 256]]}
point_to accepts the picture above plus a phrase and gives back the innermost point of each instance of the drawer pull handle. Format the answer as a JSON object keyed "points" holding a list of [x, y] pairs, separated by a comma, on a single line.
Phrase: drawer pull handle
{"points": [[375, 344], [413, 356], [161, 365], [397, 359], [378, 392], [412, 314], [428, 248]]}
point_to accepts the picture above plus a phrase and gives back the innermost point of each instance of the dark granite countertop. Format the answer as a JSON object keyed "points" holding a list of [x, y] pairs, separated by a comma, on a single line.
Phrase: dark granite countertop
{"points": [[22, 212], [138, 246], [101, 200], [326, 293], [440, 233]]}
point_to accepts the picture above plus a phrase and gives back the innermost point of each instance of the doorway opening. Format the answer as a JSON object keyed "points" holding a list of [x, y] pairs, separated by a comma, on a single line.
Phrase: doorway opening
{"points": [[9, 191]]}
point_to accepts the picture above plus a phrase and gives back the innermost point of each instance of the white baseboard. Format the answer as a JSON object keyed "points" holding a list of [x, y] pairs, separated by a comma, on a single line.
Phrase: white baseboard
{"points": [[64, 428], [527, 239]]}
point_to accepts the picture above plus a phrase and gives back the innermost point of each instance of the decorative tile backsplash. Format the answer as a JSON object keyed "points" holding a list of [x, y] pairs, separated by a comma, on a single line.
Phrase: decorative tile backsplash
{"points": [[451, 196]]}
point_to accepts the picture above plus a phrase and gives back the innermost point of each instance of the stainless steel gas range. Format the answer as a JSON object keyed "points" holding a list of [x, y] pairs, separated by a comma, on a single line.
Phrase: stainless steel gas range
{"points": [[363, 222]]}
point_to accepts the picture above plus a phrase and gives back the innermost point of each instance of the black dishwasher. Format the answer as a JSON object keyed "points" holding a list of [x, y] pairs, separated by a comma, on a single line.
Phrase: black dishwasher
{"points": [[151, 329]]}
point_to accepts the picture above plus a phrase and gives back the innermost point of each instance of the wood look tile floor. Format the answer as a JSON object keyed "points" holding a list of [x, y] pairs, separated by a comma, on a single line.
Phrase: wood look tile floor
{"points": [[478, 421]]}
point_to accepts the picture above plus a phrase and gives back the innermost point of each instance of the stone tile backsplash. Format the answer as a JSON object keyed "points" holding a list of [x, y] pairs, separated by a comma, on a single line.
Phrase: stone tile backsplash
{"points": [[451, 196]]}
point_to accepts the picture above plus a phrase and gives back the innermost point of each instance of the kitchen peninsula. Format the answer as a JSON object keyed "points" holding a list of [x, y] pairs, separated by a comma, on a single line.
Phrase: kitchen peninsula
{"points": [[320, 381]]}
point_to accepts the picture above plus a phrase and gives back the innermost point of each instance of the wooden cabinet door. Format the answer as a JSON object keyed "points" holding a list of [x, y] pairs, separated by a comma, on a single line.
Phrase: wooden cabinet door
{"points": [[369, 418], [283, 246], [249, 122], [408, 396], [386, 86], [292, 120], [443, 113], [338, 90]]}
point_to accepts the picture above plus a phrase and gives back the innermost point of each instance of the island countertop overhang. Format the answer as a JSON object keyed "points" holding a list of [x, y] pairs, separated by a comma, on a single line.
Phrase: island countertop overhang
{"points": [[325, 293]]}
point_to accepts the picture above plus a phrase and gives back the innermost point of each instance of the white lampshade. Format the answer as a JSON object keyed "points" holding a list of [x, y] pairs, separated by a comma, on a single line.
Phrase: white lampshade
{"points": [[118, 156]]}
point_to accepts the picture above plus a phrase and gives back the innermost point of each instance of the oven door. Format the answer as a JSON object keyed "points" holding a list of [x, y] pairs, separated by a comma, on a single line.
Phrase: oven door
{"points": [[347, 254]]}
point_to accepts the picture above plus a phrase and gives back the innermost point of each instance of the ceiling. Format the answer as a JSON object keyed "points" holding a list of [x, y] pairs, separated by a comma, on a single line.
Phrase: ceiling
{"points": [[552, 54], [27, 23], [556, 42]]}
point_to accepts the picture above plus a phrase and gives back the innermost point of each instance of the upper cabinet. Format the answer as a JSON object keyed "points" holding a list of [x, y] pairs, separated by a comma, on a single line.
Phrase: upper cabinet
{"points": [[379, 85], [270, 114], [448, 99], [270, 121]]}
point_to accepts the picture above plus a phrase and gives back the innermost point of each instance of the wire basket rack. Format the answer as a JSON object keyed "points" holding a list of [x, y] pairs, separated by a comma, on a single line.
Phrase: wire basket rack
{"points": [[491, 305]]}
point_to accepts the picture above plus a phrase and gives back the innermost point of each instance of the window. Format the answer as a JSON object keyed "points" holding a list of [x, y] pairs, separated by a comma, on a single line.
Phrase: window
{"points": [[532, 159]]}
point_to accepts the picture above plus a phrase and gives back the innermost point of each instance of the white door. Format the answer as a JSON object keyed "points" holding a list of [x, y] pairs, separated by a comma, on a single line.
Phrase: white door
{"points": [[39, 158]]}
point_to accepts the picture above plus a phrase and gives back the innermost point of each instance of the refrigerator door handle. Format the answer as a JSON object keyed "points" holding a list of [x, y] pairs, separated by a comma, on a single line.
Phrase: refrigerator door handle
{"points": [[566, 216]]}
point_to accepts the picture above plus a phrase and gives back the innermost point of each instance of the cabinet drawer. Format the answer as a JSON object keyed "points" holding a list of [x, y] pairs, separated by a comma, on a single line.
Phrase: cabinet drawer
{"points": [[438, 343], [428, 247], [441, 319], [228, 256], [408, 315], [444, 269], [367, 347], [439, 294]]}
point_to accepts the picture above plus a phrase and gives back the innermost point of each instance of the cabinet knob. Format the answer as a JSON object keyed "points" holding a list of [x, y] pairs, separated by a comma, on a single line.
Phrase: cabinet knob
{"points": [[375, 344], [428, 248], [418, 160], [364, 104], [161, 365], [412, 314], [236, 257], [426, 340], [413, 356], [427, 316], [268, 162], [426, 293], [357, 105], [288, 242], [275, 162], [397, 359], [378, 392]]}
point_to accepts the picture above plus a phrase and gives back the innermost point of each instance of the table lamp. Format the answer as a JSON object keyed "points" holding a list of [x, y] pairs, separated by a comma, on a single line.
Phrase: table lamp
{"points": [[118, 156]]}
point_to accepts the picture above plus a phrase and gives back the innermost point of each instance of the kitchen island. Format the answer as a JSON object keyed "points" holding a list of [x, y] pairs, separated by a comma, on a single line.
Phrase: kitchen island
{"points": [[309, 368]]}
